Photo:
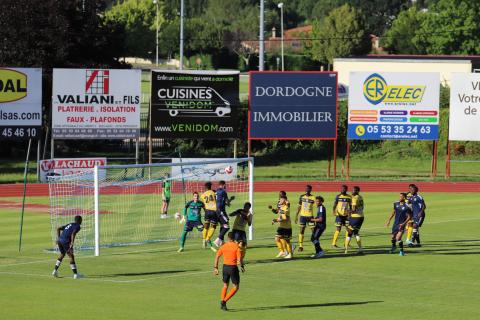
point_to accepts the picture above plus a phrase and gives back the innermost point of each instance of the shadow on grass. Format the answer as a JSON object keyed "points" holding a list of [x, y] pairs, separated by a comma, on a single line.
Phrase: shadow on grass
{"points": [[134, 274], [300, 306]]}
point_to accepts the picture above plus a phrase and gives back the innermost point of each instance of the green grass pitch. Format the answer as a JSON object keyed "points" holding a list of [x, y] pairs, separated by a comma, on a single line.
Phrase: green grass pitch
{"points": [[438, 281]]}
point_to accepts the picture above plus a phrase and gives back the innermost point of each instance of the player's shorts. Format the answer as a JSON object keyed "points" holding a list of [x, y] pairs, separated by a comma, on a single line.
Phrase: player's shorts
{"points": [[63, 247], [317, 232], [194, 224], [418, 220], [239, 235], [284, 233], [211, 216], [355, 223], [303, 221], [231, 273], [341, 221], [222, 217], [396, 229], [166, 199]]}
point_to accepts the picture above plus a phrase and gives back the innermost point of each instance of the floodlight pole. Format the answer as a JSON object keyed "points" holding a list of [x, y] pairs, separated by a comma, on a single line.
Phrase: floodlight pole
{"points": [[156, 51], [261, 48], [182, 9], [280, 5]]}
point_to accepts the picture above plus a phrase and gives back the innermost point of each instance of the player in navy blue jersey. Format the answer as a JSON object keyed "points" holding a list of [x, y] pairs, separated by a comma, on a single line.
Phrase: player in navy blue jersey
{"points": [[65, 240], [402, 214], [320, 221], [417, 204], [222, 202]]}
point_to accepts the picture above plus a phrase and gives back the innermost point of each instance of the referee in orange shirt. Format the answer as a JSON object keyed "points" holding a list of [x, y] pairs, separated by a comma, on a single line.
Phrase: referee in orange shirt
{"points": [[231, 259]]}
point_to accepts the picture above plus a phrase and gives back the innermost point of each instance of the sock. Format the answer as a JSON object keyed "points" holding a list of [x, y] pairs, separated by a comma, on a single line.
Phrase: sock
{"points": [[57, 264], [317, 247], [400, 244], [347, 241], [204, 233], [231, 294], [418, 237], [414, 236], [300, 240], [359, 240], [287, 245], [409, 233], [73, 266], [210, 232], [280, 245], [346, 234], [394, 243], [335, 237], [183, 238], [224, 293], [222, 233]]}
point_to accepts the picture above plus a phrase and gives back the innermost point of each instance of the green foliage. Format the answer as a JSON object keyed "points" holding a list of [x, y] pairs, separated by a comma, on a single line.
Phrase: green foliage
{"points": [[292, 62], [400, 37], [340, 34], [138, 18]]}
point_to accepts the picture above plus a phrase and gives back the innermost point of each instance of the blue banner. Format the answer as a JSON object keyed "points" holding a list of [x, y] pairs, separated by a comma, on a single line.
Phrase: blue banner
{"points": [[293, 105], [369, 131]]}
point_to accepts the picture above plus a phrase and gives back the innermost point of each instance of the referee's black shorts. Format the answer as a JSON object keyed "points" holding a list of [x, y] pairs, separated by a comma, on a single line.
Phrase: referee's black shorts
{"points": [[230, 272]]}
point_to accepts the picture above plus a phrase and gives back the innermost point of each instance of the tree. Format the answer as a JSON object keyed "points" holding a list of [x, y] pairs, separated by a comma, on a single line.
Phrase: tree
{"points": [[450, 27], [138, 18], [340, 34], [400, 37]]}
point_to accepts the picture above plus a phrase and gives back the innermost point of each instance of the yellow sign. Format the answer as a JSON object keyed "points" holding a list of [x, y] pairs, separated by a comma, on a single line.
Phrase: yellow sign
{"points": [[376, 90], [13, 85], [360, 130]]}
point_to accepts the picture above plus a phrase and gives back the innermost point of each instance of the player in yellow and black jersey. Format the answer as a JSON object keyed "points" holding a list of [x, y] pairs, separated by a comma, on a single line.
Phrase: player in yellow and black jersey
{"points": [[341, 208], [355, 219], [305, 210], [284, 230], [211, 219]]}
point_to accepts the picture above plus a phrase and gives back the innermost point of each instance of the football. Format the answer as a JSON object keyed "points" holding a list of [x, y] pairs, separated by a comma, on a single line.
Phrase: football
{"points": [[228, 169]]}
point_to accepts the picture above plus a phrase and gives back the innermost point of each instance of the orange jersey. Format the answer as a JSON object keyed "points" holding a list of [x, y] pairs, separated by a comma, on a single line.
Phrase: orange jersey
{"points": [[231, 253]]}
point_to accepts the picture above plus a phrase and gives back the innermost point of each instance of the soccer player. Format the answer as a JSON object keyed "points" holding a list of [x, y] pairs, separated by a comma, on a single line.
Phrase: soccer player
{"points": [[193, 217], [209, 200], [243, 217], [305, 210], [65, 240], [409, 226], [341, 208], [320, 225], [417, 204], [166, 194], [222, 202], [284, 230], [231, 259], [402, 214], [355, 219]]}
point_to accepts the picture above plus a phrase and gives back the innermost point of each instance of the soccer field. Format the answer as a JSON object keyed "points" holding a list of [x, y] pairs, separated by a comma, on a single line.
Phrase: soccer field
{"points": [[438, 281]]}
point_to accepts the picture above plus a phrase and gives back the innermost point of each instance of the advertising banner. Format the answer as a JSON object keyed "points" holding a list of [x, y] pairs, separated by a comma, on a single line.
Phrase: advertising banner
{"points": [[293, 105], [20, 103], [465, 107], [61, 167], [195, 104], [393, 106], [204, 172], [96, 104]]}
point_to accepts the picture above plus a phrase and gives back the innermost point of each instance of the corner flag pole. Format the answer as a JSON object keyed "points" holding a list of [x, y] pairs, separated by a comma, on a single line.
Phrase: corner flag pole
{"points": [[25, 172]]}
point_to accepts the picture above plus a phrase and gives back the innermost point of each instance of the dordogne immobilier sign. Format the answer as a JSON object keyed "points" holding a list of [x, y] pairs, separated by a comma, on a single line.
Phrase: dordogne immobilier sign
{"points": [[96, 104], [20, 103]]}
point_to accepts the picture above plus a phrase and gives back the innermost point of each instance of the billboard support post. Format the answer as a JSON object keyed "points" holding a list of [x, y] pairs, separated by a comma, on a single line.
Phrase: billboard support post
{"points": [[447, 162], [335, 159], [347, 160]]}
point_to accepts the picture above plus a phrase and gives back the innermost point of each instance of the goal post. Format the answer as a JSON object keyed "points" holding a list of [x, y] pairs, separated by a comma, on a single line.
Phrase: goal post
{"points": [[123, 204]]}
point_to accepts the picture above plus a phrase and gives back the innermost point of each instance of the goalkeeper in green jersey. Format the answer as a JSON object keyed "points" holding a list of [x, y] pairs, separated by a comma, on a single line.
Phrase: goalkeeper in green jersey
{"points": [[193, 218], [166, 195]]}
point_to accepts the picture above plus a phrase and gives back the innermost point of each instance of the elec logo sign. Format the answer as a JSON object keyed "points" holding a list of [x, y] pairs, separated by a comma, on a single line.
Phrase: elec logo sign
{"points": [[97, 81], [376, 90]]}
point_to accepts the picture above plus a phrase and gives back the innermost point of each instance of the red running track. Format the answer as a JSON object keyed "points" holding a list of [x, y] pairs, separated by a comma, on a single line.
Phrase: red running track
{"points": [[16, 190]]}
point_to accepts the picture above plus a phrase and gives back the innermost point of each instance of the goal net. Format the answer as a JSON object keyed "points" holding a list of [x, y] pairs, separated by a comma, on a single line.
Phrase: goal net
{"points": [[123, 204]]}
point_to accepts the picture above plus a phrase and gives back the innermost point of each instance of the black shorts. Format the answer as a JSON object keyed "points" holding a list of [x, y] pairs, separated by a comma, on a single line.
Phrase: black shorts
{"points": [[63, 247], [211, 216], [231, 273], [341, 221], [284, 233], [317, 232], [194, 224], [303, 221], [222, 217], [418, 220], [355, 223], [239, 235], [167, 200], [396, 229]]}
